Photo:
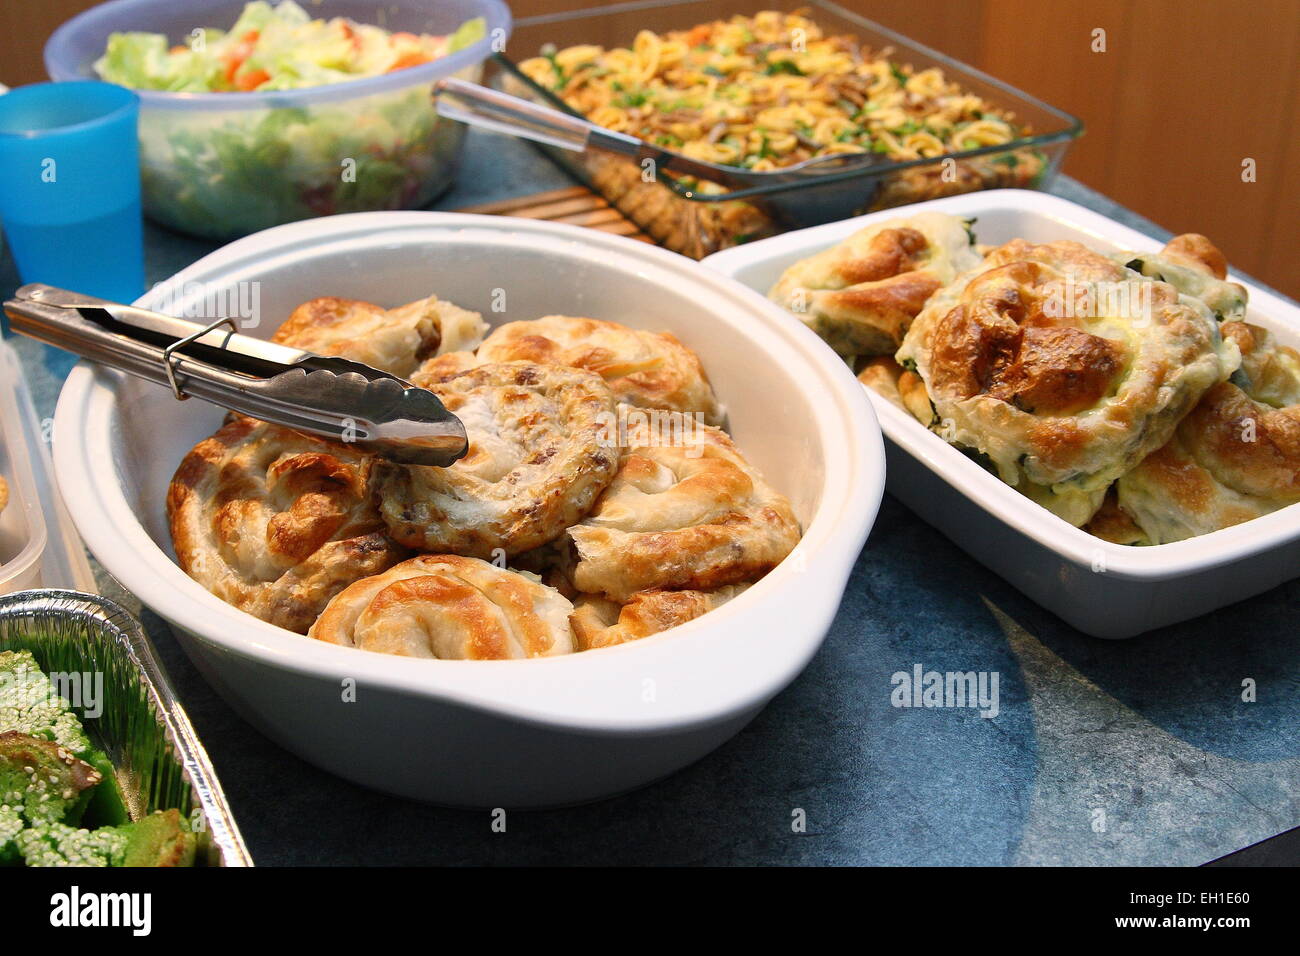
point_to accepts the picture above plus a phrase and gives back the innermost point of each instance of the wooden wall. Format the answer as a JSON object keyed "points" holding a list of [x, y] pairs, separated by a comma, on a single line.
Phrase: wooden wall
{"points": [[1185, 91]]}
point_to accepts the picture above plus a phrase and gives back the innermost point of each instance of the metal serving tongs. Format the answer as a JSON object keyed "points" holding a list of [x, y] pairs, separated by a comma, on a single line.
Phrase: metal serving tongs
{"points": [[502, 113], [331, 397]]}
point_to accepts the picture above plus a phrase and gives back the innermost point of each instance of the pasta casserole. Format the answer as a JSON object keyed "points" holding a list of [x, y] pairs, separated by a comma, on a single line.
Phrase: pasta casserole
{"points": [[766, 92]]}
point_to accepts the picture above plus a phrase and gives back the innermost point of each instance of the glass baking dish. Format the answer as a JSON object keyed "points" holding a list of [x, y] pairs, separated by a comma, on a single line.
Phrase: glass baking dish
{"points": [[698, 224]]}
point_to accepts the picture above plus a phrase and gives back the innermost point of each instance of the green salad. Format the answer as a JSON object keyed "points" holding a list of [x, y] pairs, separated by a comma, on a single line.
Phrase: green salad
{"points": [[224, 172], [272, 48]]}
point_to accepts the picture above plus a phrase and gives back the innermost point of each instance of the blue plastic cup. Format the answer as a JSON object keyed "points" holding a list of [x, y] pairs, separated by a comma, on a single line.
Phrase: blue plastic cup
{"points": [[70, 187]]}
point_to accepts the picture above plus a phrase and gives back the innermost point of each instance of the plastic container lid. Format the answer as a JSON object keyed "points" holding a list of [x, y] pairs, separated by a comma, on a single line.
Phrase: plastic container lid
{"points": [[72, 50]]}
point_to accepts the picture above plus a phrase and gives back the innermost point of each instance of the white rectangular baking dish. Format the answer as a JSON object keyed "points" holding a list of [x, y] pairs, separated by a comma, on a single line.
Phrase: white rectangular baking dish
{"points": [[1104, 589], [498, 733]]}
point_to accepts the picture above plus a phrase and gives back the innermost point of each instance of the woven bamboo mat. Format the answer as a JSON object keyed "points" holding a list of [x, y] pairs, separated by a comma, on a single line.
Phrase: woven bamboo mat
{"points": [[576, 205]]}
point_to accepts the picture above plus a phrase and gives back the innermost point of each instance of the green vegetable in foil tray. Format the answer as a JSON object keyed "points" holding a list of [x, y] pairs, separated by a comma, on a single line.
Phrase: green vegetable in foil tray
{"points": [[60, 804]]}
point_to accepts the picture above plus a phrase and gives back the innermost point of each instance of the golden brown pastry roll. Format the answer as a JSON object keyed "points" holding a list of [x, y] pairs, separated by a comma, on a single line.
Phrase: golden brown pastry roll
{"points": [[1064, 367], [274, 522], [646, 369], [1234, 458], [1195, 267], [449, 607], [598, 622], [903, 388], [861, 295], [540, 452], [442, 367], [1112, 523], [1270, 371], [692, 514], [393, 340]]}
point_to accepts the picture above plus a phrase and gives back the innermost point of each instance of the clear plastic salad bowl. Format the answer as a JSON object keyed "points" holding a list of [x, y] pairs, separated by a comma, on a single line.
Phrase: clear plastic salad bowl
{"points": [[222, 165]]}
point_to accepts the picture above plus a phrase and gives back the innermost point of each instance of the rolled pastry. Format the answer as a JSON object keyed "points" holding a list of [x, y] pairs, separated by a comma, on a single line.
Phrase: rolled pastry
{"points": [[1234, 458], [540, 453], [598, 622], [646, 369], [393, 340], [903, 388], [449, 607], [862, 294], [1064, 367], [1194, 266], [690, 514], [274, 522]]}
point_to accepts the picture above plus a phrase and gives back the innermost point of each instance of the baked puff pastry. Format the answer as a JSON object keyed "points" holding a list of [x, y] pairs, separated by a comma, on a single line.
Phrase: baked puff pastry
{"points": [[686, 515], [646, 369], [274, 522], [598, 622], [392, 340], [1235, 457], [1064, 367], [540, 452], [905, 389], [1194, 266], [449, 607], [861, 295]]}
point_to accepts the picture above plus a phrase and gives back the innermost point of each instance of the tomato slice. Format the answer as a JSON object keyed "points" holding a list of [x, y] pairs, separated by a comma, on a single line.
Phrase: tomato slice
{"points": [[251, 79]]}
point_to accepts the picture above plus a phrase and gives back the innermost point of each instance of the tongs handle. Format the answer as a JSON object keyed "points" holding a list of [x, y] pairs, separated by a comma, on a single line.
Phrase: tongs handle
{"points": [[330, 397], [138, 341], [502, 113]]}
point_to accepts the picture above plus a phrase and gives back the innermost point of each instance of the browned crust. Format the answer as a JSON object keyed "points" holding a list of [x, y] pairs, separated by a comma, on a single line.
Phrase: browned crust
{"points": [[642, 368], [308, 324], [480, 606], [274, 522], [888, 305], [673, 521], [1250, 447], [891, 252], [556, 414], [1112, 523], [1194, 249], [598, 622]]}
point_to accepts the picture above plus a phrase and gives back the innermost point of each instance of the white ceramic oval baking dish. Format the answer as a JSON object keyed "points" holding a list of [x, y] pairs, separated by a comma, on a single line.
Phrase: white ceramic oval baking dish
{"points": [[1104, 589], [502, 733]]}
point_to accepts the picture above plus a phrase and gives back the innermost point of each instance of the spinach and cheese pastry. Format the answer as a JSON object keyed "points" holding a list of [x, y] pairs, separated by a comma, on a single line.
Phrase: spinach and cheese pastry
{"points": [[275, 522], [393, 340], [452, 608], [1235, 457], [861, 294], [598, 622], [642, 368], [539, 455], [681, 516], [1063, 367], [1194, 266], [900, 386], [1112, 523]]}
